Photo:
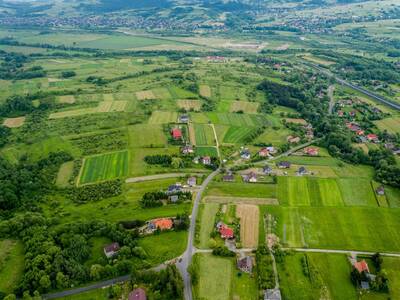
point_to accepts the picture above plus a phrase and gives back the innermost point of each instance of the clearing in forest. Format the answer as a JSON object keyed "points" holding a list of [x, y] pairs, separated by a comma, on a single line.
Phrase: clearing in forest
{"points": [[145, 95], [244, 106], [249, 222], [64, 174], [14, 122]]}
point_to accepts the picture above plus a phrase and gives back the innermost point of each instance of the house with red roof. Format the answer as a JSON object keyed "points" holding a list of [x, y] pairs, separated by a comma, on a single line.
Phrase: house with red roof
{"points": [[264, 152], [361, 266], [162, 224], [310, 151], [176, 133], [372, 138], [226, 232]]}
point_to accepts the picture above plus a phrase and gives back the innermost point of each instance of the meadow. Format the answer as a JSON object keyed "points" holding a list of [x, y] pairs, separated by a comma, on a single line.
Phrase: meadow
{"points": [[11, 264], [104, 167], [206, 223], [234, 189]]}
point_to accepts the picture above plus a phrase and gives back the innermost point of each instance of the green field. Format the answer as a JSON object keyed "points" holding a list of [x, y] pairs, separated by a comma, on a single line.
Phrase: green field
{"points": [[11, 264], [203, 151], [357, 192], [146, 136], [360, 228], [164, 246], [237, 135], [392, 125], [104, 167], [258, 190], [207, 218], [236, 119], [163, 117], [64, 174], [204, 135]]}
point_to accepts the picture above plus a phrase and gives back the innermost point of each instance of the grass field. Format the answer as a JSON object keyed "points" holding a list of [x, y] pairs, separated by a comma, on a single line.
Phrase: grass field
{"points": [[204, 135], [275, 137], [244, 106], [205, 91], [357, 191], [241, 190], [103, 107], [392, 125], [146, 136], [203, 151], [97, 249], [163, 117], [236, 119], [215, 278], [67, 99], [104, 167], [164, 246], [207, 219], [235, 135], [64, 174], [358, 228], [11, 264], [189, 105], [145, 95]]}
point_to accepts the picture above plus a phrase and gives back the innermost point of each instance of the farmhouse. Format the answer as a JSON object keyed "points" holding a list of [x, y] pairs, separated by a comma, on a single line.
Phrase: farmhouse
{"points": [[263, 152], [372, 138], [162, 224], [245, 264], [361, 266], [310, 151], [245, 154], [251, 177], [272, 294], [176, 134], [283, 165], [224, 231], [267, 170], [174, 198], [302, 171], [137, 294], [228, 177], [111, 250], [192, 181], [188, 149], [174, 188], [206, 160], [184, 118], [380, 190]]}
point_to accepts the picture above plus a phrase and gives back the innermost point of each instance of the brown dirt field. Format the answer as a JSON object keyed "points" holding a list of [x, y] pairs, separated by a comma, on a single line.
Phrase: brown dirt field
{"points": [[189, 104], [205, 91], [145, 95], [69, 99], [14, 122], [241, 200], [296, 121], [192, 134], [249, 223]]}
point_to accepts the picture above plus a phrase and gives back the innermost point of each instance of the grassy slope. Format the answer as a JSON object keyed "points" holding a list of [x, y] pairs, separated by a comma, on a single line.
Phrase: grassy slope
{"points": [[11, 264]]}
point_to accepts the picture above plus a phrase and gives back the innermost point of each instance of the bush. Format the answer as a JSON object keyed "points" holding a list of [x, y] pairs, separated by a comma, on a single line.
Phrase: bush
{"points": [[223, 251]]}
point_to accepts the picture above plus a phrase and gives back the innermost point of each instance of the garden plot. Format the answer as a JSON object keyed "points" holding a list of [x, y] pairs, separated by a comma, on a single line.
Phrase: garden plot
{"points": [[249, 223], [163, 117], [205, 91], [145, 95], [67, 99], [244, 106], [189, 105], [204, 135], [14, 122]]}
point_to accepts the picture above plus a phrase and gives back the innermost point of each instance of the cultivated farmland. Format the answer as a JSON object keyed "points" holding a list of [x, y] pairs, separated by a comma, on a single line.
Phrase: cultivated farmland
{"points": [[249, 223], [244, 106], [145, 95], [163, 117], [104, 167], [237, 135], [189, 105], [204, 135], [205, 91]]}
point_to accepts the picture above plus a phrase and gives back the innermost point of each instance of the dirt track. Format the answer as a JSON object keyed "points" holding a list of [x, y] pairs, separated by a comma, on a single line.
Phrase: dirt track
{"points": [[249, 223]]}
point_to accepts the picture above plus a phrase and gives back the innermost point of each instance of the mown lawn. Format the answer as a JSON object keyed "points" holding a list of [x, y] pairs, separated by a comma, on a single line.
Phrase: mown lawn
{"points": [[164, 246], [352, 228], [257, 190], [207, 219], [357, 191], [105, 167]]}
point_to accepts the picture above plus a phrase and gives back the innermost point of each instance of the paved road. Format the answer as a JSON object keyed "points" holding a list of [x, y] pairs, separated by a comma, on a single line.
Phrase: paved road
{"points": [[342, 251], [159, 176], [364, 91], [186, 258]]}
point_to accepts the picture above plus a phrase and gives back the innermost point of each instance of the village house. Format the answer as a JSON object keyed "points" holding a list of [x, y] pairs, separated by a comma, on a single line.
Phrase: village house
{"points": [[176, 133], [360, 132], [245, 154], [225, 231], [184, 118], [263, 152], [380, 190], [188, 149], [245, 264], [111, 249], [353, 127], [271, 149], [206, 160], [251, 177], [353, 113], [174, 198], [283, 165], [272, 294], [161, 224], [174, 188], [310, 151], [192, 181], [302, 171], [372, 138], [293, 139], [228, 177], [267, 170], [137, 294], [196, 160]]}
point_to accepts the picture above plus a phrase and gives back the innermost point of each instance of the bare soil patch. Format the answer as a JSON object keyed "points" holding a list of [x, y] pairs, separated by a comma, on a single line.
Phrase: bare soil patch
{"points": [[14, 122], [189, 104]]}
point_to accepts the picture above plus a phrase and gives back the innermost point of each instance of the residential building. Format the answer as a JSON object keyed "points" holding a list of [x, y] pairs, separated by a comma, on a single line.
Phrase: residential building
{"points": [[283, 165], [302, 171], [184, 118], [206, 160], [267, 170], [176, 133], [251, 177], [263, 152], [192, 181], [162, 224], [188, 149], [245, 264], [111, 249], [272, 294], [380, 190], [310, 151]]}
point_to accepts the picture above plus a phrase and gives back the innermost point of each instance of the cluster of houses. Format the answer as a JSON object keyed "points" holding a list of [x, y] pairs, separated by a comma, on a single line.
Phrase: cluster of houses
{"points": [[263, 152], [363, 138]]}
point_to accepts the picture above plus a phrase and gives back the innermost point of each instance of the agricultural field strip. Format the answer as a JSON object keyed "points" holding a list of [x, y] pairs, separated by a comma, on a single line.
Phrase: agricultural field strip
{"points": [[160, 176], [240, 200], [249, 224], [339, 251]]}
